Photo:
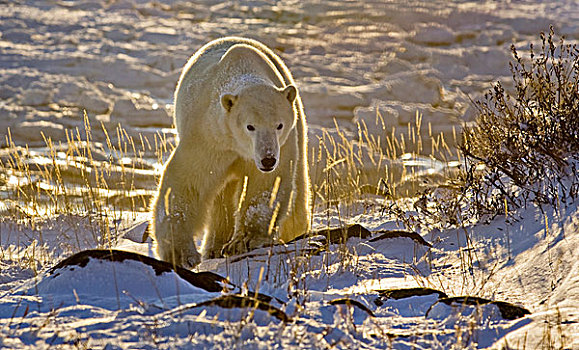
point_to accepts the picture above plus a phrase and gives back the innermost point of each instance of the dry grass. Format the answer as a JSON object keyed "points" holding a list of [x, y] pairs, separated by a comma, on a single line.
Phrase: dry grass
{"points": [[80, 180]]}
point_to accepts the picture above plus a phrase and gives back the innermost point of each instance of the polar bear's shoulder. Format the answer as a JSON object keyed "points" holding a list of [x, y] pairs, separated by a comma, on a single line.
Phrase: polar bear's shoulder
{"points": [[246, 57]]}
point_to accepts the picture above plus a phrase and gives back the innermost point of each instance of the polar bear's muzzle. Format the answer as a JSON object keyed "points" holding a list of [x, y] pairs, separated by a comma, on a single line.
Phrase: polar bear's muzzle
{"points": [[268, 164], [266, 152]]}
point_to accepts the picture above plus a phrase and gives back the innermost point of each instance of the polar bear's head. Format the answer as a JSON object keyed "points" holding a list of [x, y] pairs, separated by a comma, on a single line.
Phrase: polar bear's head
{"points": [[260, 117]]}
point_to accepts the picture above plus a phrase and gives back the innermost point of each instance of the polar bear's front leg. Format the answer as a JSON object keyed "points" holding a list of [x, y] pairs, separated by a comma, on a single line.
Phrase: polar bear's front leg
{"points": [[177, 218], [221, 221], [256, 219]]}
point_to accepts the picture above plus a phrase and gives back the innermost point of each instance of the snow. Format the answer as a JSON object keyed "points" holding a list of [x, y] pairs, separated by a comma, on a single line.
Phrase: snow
{"points": [[108, 302], [100, 283], [120, 60]]}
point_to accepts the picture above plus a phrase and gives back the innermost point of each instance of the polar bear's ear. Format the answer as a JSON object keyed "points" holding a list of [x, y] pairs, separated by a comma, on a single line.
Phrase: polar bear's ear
{"points": [[290, 93], [227, 101]]}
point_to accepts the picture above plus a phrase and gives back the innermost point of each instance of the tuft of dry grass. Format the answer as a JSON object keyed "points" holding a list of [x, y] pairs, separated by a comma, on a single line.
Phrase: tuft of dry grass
{"points": [[349, 167], [84, 181]]}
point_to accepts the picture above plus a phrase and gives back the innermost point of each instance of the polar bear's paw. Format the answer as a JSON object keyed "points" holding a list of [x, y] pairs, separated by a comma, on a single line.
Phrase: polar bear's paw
{"points": [[190, 257], [186, 257], [191, 261]]}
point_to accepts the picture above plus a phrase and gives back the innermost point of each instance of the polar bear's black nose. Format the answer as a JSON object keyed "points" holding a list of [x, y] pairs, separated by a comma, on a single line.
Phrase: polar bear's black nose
{"points": [[268, 163]]}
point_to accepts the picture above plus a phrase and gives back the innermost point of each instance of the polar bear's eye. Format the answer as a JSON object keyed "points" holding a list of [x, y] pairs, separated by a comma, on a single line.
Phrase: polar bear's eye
{"points": [[250, 127], [280, 126]]}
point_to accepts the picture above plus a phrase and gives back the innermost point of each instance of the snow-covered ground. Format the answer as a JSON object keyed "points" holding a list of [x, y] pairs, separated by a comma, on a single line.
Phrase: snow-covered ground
{"points": [[350, 296], [120, 60]]}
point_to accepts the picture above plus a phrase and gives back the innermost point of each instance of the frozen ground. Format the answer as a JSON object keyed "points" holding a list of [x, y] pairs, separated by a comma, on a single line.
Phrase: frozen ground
{"points": [[120, 60], [331, 299]]}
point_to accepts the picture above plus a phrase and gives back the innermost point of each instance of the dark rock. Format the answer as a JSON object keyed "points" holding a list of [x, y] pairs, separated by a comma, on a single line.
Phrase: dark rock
{"points": [[399, 233], [409, 292], [231, 301], [338, 235], [348, 301], [508, 311], [405, 293]]}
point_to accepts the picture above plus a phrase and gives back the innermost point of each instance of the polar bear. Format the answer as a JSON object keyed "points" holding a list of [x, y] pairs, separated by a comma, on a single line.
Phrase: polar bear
{"points": [[239, 174]]}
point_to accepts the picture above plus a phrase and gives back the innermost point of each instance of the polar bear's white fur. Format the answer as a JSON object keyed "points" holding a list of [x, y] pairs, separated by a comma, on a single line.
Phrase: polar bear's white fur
{"points": [[239, 175]]}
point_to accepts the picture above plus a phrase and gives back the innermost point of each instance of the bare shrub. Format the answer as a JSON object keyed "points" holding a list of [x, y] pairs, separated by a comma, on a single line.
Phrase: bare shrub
{"points": [[528, 141]]}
